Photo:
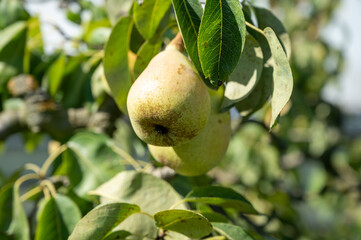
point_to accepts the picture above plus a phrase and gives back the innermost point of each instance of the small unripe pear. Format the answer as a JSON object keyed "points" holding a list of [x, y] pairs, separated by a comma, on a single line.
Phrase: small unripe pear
{"points": [[203, 152], [169, 103]]}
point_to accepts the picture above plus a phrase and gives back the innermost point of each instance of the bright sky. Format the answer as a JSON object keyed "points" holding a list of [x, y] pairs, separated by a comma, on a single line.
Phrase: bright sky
{"points": [[346, 93]]}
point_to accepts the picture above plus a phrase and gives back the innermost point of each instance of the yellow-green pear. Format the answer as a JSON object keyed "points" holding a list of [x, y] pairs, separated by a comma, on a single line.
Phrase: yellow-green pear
{"points": [[203, 152], [169, 103]]}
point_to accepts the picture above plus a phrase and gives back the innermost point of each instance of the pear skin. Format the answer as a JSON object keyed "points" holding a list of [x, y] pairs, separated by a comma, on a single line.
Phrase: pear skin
{"points": [[168, 104], [203, 152]]}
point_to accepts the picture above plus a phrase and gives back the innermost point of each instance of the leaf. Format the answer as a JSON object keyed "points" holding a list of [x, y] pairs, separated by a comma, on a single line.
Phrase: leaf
{"points": [[132, 186], [221, 196], [189, 223], [266, 18], [148, 16], [221, 39], [116, 66], [19, 227], [232, 232], [117, 9], [146, 52], [117, 235], [55, 220], [6, 199], [282, 76], [98, 163], [189, 15], [54, 75], [260, 94], [12, 11], [101, 220], [12, 47], [246, 75]]}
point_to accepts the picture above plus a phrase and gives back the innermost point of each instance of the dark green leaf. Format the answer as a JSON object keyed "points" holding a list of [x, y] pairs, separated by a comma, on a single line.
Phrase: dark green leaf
{"points": [[221, 39], [19, 227], [282, 76], [189, 14], [116, 66], [6, 199], [101, 220], [148, 16], [266, 18], [189, 223], [132, 186], [98, 163], [117, 235], [54, 75], [221, 196], [246, 75], [232, 232], [146, 52], [57, 218]]}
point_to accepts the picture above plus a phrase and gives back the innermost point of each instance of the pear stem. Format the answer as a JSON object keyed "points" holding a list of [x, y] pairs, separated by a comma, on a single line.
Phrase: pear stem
{"points": [[177, 42]]}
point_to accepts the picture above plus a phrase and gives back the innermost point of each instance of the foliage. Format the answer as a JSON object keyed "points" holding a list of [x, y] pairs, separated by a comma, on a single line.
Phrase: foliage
{"points": [[300, 181]]}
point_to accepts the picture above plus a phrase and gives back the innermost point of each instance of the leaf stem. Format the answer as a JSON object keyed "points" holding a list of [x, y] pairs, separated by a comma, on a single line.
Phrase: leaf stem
{"points": [[178, 203], [254, 27], [146, 214], [51, 159], [22, 179], [31, 166], [30, 193], [126, 156], [47, 184]]}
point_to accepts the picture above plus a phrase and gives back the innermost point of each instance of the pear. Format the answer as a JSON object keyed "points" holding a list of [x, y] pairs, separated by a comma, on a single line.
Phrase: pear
{"points": [[169, 103], [203, 152]]}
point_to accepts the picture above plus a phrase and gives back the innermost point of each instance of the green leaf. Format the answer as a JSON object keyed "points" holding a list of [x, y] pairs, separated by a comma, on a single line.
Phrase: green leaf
{"points": [[6, 199], [246, 75], [186, 222], [260, 94], [57, 218], [101, 220], [98, 163], [282, 76], [266, 18], [146, 52], [132, 186], [54, 75], [221, 39], [232, 232], [189, 15], [117, 9], [12, 47], [148, 16], [117, 235], [116, 65], [221, 196], [12, 11], [19, 227]]}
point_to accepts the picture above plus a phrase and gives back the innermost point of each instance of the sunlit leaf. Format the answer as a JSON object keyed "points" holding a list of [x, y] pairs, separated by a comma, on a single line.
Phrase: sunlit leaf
{"points": [[189, 223], [282, 76], [232, 232], [116, 66], [246, 75], [101, 220], [189, 15], [221, 39], [148, 16], [57, 218], [221, 196]]}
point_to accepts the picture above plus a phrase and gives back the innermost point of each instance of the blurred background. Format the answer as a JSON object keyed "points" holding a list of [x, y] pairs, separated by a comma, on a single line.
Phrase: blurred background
{"points": [[305, 174]]}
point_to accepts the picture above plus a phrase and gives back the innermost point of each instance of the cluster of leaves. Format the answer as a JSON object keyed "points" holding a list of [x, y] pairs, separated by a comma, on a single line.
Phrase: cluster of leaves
{"points": [[242, 45]]}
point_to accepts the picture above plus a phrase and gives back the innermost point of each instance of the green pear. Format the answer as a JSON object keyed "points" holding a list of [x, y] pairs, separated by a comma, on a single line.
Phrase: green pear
{"points": [[203, 152], [169, 103]]}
